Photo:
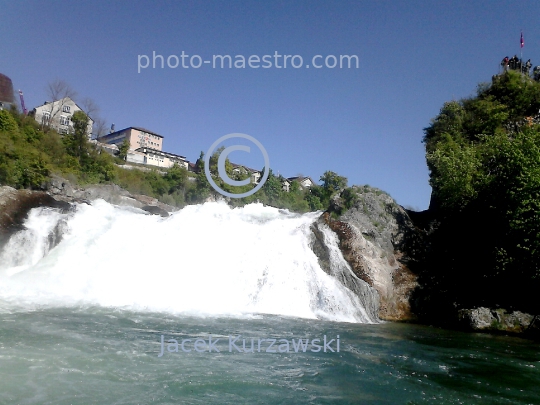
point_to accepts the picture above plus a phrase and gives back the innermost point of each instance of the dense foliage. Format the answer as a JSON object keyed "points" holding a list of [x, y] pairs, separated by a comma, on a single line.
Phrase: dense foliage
{"points": [[484, 159], [273, 192], [29, 154]]}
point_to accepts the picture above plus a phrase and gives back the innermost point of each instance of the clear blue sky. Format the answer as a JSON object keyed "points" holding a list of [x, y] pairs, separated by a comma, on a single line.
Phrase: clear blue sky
{"points": [[365, 124]]}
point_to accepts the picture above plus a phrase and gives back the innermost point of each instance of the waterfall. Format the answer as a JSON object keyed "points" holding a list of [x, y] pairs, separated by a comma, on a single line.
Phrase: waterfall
{"points": [[207, 259]]}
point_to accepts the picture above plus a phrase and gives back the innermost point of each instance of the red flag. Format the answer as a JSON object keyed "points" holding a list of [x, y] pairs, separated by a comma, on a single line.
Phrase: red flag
{"points": [[521, 41]]}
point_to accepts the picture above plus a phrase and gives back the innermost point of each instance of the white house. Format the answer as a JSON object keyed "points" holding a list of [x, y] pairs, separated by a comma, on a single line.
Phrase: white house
{"points": [[57, 115], [285, 185], [154, 157], [255, 175], [305, 182]]}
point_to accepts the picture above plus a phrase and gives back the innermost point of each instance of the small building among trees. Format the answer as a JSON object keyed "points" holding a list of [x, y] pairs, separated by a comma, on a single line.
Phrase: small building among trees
{"points": [[57, 115], [305, 182]]}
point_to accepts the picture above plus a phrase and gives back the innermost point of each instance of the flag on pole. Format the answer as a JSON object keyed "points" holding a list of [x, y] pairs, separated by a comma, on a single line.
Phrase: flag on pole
{"points": [[521, 41]]}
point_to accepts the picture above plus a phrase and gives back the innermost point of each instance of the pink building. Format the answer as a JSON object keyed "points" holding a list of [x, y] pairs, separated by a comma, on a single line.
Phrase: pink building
{"points": [[145, 147], [137, 138]]}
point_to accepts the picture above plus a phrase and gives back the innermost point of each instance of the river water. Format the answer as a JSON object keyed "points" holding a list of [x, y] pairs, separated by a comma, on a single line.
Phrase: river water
{"points": [[104, 356], [220, 306]]}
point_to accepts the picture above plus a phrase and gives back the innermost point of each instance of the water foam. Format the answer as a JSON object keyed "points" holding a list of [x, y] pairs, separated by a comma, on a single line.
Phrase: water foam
{"points": [[205, 259]]}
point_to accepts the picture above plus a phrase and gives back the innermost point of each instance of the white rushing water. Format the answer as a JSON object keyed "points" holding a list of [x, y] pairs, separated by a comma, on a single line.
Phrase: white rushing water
{"points": [[206, 259]]}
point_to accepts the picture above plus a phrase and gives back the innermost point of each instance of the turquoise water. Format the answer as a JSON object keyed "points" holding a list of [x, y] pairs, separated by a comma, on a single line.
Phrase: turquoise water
{"points": [[104, 356]]}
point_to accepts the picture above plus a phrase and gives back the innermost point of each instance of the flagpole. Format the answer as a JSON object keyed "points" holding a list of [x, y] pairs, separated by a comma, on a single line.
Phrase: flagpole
{"points": [[521, 43]]}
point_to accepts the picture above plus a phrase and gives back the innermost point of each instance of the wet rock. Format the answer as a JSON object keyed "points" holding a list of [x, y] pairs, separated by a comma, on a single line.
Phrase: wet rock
{"points": [[144, 199], [477, 318], [495, 320], [15, 205], [324, 245], [319, 247], [154, 210], [380, 243]]}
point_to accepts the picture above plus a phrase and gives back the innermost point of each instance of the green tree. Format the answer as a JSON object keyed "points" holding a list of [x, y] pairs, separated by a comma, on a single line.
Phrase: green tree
{"points": [[201, 190], [214, 163], [123, 149], [333, 182], [272, 188], [77, 141], [7, 122], [176, 177], [456, 170], [518, 93], [313, 201], [199, 164]]}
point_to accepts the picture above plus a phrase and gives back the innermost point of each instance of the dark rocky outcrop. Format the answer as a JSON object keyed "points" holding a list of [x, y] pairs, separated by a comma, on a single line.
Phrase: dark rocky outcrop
{"points": [[154, 210], [380, 243], [15, 205], [484, 319], [451, 292]]}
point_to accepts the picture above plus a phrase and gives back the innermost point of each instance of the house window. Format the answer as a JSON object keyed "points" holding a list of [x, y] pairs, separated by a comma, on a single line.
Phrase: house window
{"points": [[66, 108], [62, 131], [64, 120]]}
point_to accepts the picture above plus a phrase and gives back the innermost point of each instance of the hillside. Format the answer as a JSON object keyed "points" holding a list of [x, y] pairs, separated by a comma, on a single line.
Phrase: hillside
{"points": [[31, 154]]}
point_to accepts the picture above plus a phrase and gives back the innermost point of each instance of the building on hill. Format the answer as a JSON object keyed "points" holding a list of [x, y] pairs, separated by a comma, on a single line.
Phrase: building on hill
{"points": [[7, 98], [57, 115], [136, 136], [145, 147], [111, 149], [192, 167], [155, 157], [305, 182], [285, 185], [255, 175]]}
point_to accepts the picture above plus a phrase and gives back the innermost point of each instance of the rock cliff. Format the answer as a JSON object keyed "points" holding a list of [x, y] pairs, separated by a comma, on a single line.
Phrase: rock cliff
{"points": [[380, 243]]}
